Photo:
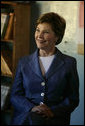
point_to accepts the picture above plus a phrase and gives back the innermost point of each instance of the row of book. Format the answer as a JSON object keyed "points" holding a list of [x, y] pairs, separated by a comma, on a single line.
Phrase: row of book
{"points": [[6, 83], [7, 21], [6, 25], [6, 58]]}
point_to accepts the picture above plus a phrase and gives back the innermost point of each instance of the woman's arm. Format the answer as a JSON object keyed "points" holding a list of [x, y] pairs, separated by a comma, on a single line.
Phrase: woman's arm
{"points": [[18, 99], [72, 99]]}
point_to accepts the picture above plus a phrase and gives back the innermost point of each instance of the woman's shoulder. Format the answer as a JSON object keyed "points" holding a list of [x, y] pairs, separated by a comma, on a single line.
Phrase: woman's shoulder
{"points": [[23, 60], [68, 59]]}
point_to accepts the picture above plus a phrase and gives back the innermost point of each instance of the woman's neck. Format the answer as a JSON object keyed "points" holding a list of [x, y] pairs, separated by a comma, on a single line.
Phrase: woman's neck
{"points": [[44, 53]]}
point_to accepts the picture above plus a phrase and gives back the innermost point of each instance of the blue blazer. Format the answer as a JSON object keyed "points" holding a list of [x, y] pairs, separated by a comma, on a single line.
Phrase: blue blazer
{"points": [[61, 89]]}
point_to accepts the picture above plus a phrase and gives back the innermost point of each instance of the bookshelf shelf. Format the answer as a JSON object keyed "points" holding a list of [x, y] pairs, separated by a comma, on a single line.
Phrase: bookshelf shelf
{"points": [[7, 75], [9, 3], [9, 40]]}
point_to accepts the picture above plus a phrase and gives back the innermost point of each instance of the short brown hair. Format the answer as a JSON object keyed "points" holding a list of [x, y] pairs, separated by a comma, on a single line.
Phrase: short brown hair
{"points": [[57, 23]]}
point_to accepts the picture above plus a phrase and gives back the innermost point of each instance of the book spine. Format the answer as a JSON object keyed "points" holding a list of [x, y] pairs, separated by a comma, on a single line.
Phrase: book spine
{"points": [[9, 28], [5, 27]]}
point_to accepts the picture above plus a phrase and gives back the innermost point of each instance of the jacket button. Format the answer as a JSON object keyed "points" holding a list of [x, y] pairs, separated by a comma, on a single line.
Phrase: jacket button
{"points": [[43, 83], [41, 103], [42, 94]]}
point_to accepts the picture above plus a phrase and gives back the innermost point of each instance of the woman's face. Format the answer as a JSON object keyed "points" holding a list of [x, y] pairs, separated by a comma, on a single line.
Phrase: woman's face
{"points": [[44, 36]]}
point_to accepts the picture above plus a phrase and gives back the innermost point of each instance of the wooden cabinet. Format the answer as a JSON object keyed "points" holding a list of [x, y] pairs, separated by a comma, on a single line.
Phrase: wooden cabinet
{"points": [[18, 44]]}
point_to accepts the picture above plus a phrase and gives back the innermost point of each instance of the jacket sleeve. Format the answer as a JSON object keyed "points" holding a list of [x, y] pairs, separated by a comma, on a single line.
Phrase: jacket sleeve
{"points": [[71, 100], [18, 99]]}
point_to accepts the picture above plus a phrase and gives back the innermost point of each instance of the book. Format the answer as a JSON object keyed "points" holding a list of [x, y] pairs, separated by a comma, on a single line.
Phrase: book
{"points": [[4, 93], [6, 53], [5, 70], [4, 24], [10, 27]]}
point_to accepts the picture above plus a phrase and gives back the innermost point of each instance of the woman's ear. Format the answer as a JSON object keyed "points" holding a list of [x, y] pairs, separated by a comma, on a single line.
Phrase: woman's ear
{"points": [[56, 39]]}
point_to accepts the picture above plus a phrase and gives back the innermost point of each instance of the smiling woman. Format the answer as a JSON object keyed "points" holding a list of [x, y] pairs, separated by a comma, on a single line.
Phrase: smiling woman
{"points": [[56, 22], [46, 85], [50, 29], [45, 38]]}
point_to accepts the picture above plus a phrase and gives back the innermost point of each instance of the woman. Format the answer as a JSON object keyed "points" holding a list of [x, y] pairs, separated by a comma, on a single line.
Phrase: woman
{"points": [[46, 86]]}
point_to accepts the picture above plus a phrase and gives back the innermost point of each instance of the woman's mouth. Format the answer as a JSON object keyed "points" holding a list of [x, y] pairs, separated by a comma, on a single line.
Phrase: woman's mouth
{"points": [[41, 41]]}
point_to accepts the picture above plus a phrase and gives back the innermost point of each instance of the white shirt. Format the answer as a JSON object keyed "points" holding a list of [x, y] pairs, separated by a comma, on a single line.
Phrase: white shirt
{"points": [[45, 63]]}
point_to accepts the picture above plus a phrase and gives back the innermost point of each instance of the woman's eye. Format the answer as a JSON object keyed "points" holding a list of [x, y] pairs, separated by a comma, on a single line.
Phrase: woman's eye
{"points": [[46, 32], [37, 30]]}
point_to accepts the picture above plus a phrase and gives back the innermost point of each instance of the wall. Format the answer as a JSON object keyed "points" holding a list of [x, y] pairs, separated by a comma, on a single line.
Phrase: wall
{"points": [[67, 9], [70, 11], [77, 117]]}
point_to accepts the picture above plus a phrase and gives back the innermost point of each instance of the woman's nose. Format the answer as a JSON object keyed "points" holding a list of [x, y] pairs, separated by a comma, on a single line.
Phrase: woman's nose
{"points": [[40, 35]]}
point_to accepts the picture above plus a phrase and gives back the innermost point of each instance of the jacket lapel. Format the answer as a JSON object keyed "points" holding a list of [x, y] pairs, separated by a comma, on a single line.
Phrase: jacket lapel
{"points": [[56, 64], [35, 66]]}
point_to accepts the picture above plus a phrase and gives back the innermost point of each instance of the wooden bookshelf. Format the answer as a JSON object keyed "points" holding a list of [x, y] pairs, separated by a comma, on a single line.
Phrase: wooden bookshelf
{"points": [[19, 37], [14, 45]]}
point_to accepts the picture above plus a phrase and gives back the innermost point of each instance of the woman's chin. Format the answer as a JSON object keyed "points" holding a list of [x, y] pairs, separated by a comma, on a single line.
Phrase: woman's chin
{"points": [[41, 47]]}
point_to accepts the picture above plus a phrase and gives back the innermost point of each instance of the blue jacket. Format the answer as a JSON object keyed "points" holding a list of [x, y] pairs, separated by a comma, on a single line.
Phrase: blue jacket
{"points": [[61, 87]]}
